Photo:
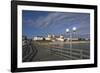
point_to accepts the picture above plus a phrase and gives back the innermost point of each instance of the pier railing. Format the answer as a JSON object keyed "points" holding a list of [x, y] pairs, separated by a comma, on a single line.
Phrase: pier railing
{"points": [[70, 53]]}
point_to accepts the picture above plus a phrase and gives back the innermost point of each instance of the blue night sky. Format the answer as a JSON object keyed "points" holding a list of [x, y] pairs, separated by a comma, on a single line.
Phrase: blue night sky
{"points": [[42, 23]]}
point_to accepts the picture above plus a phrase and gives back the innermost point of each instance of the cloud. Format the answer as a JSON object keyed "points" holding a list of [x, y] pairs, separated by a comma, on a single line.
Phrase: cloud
{"points": [[54, 21], [57, 18]]}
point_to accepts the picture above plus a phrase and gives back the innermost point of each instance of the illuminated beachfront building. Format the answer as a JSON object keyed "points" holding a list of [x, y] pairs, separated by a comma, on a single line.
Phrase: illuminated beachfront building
{"points": [[50, 38], [57, 38], [54, 38], [37, 38], [60, 38]]}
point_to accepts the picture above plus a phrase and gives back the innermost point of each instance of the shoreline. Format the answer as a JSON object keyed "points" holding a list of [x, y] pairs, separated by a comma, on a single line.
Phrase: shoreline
{"points": [[59, 42], [68, 42]]}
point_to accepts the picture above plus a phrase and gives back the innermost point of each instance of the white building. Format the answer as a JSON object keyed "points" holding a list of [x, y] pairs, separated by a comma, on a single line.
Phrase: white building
{"points": [[38, 38], [60, 38], [54, 38], [49, 37]]}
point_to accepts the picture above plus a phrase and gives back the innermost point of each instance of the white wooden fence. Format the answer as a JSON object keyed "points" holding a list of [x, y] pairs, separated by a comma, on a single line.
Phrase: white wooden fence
{"points": [[72, 53]]}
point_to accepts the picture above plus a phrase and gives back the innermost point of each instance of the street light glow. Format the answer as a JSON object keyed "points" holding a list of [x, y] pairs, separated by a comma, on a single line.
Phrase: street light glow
{"points": [[74, 28], [67, 30]]}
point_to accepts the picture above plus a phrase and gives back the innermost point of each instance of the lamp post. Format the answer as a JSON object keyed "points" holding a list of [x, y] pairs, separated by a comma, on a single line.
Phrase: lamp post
{"points": [[71, 32], [74, 31]]}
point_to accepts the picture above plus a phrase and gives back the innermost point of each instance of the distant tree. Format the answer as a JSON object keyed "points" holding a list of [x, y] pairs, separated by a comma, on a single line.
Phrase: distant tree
{"points": [[81, 39], [24, 37], [44, 39]]}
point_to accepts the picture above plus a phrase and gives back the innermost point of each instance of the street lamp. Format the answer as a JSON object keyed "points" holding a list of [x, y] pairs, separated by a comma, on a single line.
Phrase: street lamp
{"points": [[67, 30], [74, 29], [70, 42], [71, 32]]}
